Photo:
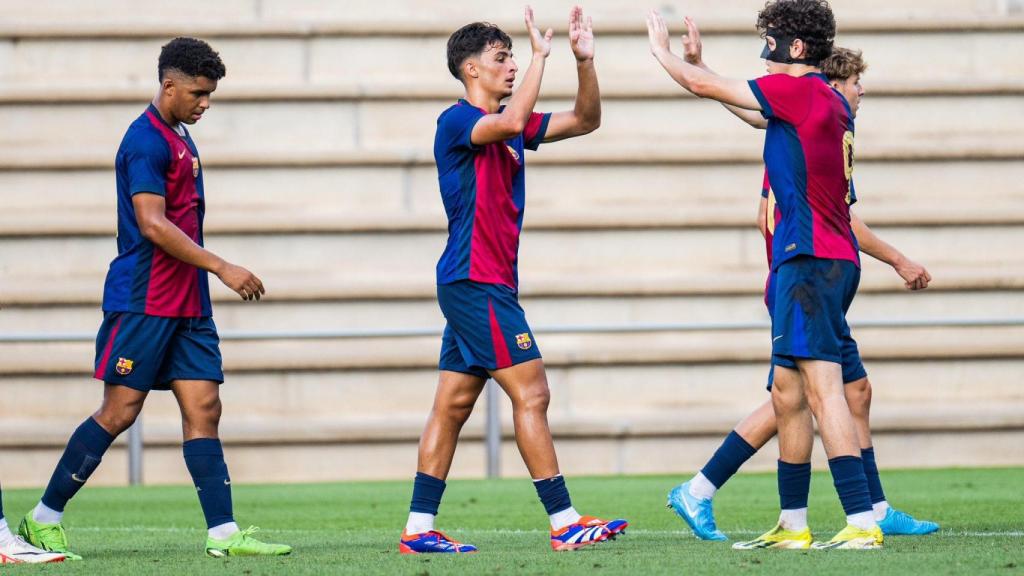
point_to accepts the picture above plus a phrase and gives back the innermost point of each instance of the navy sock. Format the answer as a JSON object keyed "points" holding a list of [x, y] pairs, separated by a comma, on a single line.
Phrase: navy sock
{"points": [[871, 471], [82, 455], [553, 494], [851, 484], [733, 452], [204, 458], [1, 504], [426, 494], [794, 485]]}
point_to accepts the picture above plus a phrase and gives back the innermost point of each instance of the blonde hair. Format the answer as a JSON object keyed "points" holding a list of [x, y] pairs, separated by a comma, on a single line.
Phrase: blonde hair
{"points": [[843, 63]]}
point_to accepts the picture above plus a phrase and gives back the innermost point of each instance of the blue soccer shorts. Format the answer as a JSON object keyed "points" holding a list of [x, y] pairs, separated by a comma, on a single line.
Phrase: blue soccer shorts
{"points": [[852, 366], [486, 329], [812, 296], [149, 352]]}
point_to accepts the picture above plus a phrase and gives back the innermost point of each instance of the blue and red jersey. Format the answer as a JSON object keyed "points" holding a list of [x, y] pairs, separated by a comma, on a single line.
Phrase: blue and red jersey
{"points": [[153, 158], [808, 153], [484, 194]]}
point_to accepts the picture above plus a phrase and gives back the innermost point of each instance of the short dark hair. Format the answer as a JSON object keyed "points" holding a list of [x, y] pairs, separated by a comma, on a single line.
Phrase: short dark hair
{"points": [[192, 57], [809, 20], [843, 63], [472, 39]]}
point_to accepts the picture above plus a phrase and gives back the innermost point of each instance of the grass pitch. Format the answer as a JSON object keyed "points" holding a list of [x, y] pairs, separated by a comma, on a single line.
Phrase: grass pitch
{"points": [[353, 528]]}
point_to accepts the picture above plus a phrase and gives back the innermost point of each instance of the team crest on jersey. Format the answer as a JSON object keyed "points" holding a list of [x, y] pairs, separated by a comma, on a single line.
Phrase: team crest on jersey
{"points": [[124, 366], [195, 167], [523, 341], [512, 151]]}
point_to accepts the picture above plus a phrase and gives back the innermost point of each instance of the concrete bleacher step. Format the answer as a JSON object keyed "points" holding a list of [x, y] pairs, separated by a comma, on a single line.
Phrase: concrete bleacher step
{"points": [[543, 312], [418, 16], [976, 433], [347, 66], [568, 348], [357, 397], [901, 126], [403, 198], [318, 266]]}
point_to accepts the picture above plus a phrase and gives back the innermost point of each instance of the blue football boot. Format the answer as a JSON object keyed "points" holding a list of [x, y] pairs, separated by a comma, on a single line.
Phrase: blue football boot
{"points": [[903, 524], [696, 512]]}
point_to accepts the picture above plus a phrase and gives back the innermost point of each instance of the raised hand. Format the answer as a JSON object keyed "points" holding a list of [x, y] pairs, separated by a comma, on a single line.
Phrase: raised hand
{"points": [[657, 33], [692, 49], [581, 34], [540, 44]]}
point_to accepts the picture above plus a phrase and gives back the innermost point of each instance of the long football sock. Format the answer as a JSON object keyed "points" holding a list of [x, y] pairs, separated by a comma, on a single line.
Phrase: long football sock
{"points": [[732, 454], [852, 486], [794, 487], [204, 458], [426, 499], [82, 455], [555, 496]]}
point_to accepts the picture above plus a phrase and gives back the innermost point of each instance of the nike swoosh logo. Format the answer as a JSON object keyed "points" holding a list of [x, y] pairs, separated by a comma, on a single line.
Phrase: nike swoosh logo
{"points": [[181, 155], [77, 479], [227, 482], [690, 511], [777, 337]]}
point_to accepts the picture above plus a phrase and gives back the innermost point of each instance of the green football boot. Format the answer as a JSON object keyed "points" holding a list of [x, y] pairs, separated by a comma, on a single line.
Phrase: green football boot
{"points": [[242, 543], [49, 537]]}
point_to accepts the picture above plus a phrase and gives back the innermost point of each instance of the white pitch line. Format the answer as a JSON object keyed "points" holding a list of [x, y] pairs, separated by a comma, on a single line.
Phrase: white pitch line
{"points": [[629, 531]]}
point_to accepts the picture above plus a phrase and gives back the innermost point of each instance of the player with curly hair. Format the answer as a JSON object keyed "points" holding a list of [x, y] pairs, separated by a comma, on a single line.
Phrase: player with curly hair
{"points": [[158, 331], [692, 500], [808, 154]]}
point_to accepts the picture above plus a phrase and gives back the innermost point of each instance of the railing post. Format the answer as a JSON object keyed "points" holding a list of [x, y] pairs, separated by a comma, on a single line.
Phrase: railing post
{"points": [[493, 429], [135, 452]]}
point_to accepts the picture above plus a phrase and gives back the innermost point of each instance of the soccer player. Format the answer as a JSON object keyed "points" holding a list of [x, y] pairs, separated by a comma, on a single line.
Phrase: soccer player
{"points": [[808, 152], [693, 499], [157, 331], [479, 149], [14, 549]]}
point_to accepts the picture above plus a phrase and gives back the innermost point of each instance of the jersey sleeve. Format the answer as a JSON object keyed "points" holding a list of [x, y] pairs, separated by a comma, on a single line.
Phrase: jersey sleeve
{"points": [[455, 127], [536, 128], [785, 97], [147, 160]]}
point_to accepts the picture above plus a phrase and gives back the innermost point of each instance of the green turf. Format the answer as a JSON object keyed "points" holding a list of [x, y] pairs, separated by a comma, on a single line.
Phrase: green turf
{"points": [[354, 527]]}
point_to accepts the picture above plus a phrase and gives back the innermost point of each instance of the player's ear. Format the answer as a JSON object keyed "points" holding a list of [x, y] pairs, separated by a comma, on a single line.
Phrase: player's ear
{"points": [[797, 49], [470, 69]]}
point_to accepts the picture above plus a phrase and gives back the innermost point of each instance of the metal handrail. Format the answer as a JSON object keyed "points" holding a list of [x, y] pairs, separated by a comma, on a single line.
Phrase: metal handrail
{"points": [[28, 337]]}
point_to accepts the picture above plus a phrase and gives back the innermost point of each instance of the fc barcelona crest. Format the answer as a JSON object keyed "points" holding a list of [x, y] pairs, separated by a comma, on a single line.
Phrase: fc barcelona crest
{"points": [[124, 366], [523, 341], [512, 151], [195, 167]]}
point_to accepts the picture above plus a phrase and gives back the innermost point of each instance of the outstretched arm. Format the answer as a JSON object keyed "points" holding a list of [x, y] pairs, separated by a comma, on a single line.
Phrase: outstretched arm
{"points": [[585, 116], [693, 52], [699, 81], [915, 276], [511, 121]]}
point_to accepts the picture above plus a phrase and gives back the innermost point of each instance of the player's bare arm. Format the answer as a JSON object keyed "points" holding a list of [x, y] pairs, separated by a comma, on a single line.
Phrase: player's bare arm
{"points": [[585, 117], [914, 275], [512, 120], [693, 52], [698, 81], [150, 212]]}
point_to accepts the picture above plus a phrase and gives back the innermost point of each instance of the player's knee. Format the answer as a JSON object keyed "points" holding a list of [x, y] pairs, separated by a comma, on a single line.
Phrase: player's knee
{"points": [[534, 398], [858, 396], [116, 422]]}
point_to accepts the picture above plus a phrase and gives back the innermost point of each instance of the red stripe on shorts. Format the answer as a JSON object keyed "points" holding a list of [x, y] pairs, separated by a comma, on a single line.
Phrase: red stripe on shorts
{"points": [[502, 359], [101, 368]]}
